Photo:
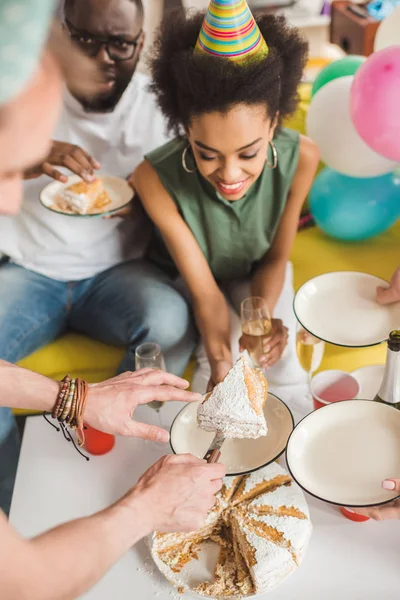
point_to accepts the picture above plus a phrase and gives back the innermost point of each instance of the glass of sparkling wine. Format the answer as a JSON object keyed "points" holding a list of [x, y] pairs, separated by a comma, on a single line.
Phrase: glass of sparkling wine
{"points": [[149, 356], [310, 351], [256, 326]]}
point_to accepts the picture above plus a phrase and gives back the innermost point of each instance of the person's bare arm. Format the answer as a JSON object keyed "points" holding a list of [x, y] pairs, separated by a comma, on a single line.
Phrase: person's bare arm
{"points": [[269, 278], [110, 404], [209, 304], [175, 494]]}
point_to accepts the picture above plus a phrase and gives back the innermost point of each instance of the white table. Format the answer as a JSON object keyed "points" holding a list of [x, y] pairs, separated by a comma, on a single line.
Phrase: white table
{"points": [[345, 560]]}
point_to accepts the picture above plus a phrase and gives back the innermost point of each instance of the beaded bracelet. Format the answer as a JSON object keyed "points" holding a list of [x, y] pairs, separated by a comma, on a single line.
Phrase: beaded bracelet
{"points": [[69, 409]]}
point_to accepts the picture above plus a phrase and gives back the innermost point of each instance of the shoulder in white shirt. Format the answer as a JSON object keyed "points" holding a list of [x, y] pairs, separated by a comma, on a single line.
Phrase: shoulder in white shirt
{"points": [[71, 248]]}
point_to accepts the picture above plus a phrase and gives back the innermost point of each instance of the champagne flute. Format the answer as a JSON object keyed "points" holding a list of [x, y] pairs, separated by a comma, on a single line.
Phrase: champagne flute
{"points": [[256, 326], [310, 351], [149, 356]]}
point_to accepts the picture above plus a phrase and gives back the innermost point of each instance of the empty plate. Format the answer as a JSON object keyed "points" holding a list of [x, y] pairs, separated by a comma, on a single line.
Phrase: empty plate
{"points": [[341, 308], [342, 452], [118, 189], [369, 379], [239, 455]]}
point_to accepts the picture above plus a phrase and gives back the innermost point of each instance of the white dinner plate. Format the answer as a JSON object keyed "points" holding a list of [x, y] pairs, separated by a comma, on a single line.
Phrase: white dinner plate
{"points": [[369, 379], [341, 308], [239, 455], [342, 452], [118, 189]]}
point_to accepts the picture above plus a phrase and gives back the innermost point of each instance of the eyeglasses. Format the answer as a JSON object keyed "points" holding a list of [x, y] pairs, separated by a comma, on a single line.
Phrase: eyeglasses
{"points": [[117, 49]]}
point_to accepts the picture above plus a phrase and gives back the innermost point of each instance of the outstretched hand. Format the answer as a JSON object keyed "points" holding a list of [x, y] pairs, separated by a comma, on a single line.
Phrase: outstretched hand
{"points": [[387, 511], [111, 404]]}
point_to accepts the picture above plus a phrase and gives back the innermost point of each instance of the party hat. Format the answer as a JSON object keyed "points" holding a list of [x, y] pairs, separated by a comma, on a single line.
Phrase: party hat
{"points": [[229, 30]]}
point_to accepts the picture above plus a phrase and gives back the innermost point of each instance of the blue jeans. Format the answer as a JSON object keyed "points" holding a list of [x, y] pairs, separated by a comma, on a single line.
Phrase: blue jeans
{"points": [[124, 306]]}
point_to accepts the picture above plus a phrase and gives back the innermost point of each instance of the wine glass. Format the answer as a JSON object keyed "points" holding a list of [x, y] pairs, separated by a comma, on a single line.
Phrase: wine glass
{"points": [[149, 356], [310, 351], [256, 326]]}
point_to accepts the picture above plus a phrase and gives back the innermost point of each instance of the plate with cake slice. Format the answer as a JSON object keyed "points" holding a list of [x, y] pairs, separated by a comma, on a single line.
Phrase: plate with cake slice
{"points": [[254, 537], [77, 198], [256, 425]]}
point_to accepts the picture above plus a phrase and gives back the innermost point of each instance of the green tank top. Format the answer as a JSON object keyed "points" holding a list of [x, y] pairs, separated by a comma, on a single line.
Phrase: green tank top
{"points": [[233, 236]]}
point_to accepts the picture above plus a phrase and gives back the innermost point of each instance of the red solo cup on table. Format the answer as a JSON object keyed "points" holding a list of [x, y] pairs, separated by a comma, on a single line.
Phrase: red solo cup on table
{"points": [[333, 386], [97, 442]]}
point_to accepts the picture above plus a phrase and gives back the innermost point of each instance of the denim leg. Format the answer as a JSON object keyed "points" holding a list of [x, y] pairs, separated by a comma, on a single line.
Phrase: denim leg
{"points": [[9, 452], [133, 303], [32, 313]]}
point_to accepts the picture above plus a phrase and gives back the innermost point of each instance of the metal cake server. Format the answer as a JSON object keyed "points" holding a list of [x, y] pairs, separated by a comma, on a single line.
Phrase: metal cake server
{"points": [[214, 452]]}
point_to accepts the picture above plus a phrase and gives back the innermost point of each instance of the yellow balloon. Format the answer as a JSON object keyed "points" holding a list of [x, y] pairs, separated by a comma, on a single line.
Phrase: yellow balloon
{"points": [[388, 33]]}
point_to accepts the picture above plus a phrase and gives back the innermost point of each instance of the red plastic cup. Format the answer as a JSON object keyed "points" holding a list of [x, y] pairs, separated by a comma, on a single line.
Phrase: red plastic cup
{"points": [[97, 442], [333, 386], [353, 516]]}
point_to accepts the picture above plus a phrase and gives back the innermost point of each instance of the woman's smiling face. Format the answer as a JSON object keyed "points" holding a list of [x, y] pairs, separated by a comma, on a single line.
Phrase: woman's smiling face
{"points": [[230, 148]]}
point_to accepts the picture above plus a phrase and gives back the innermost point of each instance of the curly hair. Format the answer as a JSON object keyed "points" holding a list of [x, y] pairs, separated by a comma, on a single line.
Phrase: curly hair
{"points": [[188, 84]]}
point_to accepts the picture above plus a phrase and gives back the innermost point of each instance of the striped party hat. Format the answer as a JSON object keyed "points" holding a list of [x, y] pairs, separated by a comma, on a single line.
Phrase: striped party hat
{"points": [[229, 30]]}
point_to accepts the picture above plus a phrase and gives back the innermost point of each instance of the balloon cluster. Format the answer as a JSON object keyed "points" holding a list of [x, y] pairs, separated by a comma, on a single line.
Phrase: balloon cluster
{"points": [[354, 117]]}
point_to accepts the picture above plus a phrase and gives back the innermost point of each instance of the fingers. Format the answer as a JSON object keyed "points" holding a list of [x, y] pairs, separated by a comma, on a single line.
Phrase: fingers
{"points": [[81, 167], [147, 432], [53, 173], [164, 393], [158, 377], [386, 295], [274, 345], [216, 485], [391, 484]]}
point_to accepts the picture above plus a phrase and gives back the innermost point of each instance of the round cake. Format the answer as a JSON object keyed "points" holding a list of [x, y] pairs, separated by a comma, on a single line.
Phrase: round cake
{"points": [[261, 523]]}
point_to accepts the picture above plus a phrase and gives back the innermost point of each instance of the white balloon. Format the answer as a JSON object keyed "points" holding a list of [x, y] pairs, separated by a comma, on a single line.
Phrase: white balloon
{"points": [[329, 124], [388, 33]]}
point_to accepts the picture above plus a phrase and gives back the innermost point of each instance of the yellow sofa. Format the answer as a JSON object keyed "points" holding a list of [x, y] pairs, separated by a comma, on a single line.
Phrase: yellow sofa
{"points": [[313, 253]]}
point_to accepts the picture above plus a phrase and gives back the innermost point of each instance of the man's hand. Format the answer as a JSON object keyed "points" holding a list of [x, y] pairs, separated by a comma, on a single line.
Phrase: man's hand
{"points": [[176, 493], [391, 294], [387, 511], [63, 154], [111, 404], [273, 345]]}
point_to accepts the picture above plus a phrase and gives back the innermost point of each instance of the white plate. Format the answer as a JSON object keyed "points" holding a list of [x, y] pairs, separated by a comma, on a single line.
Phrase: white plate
{"points": [[118, 189], [340, 308], [239, 455], [369, 379], [342, 452]]}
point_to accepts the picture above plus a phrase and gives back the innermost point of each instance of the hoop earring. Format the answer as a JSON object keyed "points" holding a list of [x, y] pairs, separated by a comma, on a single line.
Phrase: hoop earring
{"points": [[275, 156], [184, 165]]}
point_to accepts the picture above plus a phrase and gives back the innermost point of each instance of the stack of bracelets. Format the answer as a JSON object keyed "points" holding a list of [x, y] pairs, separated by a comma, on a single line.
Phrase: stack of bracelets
{"points": [[70, 407]]}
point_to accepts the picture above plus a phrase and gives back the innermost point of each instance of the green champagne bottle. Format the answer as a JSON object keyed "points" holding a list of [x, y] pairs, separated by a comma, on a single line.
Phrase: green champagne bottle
{"points": [[389, 391]]}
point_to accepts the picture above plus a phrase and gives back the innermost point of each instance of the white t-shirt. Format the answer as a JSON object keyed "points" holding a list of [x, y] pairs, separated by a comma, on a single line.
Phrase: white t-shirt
{"points": [[68, 248]]}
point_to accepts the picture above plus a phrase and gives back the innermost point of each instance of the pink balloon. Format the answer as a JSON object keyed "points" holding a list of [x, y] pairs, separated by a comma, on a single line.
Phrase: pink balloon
{"points": [[375, 102]]}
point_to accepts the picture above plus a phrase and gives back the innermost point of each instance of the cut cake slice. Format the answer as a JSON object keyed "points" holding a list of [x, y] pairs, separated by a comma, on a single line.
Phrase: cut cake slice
{"points": [[235, 406]]}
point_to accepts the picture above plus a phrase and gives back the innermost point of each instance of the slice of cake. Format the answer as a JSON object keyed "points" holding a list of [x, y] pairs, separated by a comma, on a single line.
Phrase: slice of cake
{"points": [[84, 198], [235, 406]]}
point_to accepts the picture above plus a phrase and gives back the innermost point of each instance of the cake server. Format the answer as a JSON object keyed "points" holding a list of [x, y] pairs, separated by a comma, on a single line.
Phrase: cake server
{"points": [[214, 452]]}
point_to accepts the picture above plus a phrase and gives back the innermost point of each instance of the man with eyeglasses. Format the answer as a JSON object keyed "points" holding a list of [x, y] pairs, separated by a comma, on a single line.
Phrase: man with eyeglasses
{"points": [[86, 274]]}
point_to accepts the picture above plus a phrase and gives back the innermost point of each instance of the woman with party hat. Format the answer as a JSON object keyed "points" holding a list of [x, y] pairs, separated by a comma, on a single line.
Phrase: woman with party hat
{"points": [[226, 193]]}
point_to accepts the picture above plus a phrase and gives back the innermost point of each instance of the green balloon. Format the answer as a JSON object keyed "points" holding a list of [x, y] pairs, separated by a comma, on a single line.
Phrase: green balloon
{"points": [[339, 68]]}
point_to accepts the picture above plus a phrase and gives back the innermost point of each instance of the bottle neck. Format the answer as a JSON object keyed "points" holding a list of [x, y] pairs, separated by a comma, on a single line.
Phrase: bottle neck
{"points": [[389, 390]]}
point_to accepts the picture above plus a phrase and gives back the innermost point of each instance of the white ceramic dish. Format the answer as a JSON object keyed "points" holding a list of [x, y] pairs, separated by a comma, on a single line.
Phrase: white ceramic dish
{"points": [[341, 308], [118, 189], [369, 379], [239, 455], [342, 452]]}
